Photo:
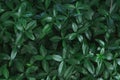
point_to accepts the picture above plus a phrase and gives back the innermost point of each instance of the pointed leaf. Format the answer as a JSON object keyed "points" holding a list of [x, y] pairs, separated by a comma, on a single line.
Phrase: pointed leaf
{"points": [[30, 35], [31, 25], [57, 58], [74, 27], [72, 36], [5, 71], [13, 53], [61, 68]]}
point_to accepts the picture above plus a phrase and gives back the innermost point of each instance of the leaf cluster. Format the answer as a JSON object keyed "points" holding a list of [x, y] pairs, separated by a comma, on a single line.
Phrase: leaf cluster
{"points": [[59, 39]]}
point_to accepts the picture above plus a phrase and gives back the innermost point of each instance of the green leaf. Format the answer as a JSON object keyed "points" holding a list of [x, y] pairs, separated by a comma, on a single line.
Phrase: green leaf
{"points": [[5, 16], [80, 38], [89, 66], [4, 56], [13, 53], [79, 19], [69, 6], [118, 62], [88, 34], [74, 27], [47, 3], [109, 66], [99, 68], [89, 15], [30, 48], [55, 39], [31, 25], [20, 66], [46, 29], [21, 9], [31, 69], [102, 51], [36, 58], [72, 36], [21, 24], [84, 48], [43, 51], [32, 78], [73, 61], [48, 19], [112, 8], [84, 28], [30, 35], [5, 71], [100, 42], [103, 12], [57, 58], [48, 78], [19, 39], [20, 76], [61, 68], [68, 72], [60, 39], [109, 56], [45, 66]]}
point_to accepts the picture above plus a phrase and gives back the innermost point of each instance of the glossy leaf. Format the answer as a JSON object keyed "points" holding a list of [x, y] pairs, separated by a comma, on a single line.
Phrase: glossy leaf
{"points": [[72, 36], [13, 53], [31, 25], [74, 27], [57, 58], [59, 39]]}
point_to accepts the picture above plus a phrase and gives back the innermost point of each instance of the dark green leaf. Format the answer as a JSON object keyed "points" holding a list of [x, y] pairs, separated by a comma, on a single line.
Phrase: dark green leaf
{"points": [[31, 25], [43, 50], [68, 72], [30, 35], [5, 71], [45, 66], [55, 39]]}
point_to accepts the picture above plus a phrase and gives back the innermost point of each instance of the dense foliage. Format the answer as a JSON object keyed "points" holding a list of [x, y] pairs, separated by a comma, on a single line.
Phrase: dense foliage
{"points": [[59, 39]]}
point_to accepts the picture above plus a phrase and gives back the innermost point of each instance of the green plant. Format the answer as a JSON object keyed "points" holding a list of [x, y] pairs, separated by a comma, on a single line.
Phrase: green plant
{"points": [[59, 40]]}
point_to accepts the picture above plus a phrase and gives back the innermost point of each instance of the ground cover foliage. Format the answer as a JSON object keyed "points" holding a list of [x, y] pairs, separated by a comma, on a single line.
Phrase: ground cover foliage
{"points": [[59, 39]]}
